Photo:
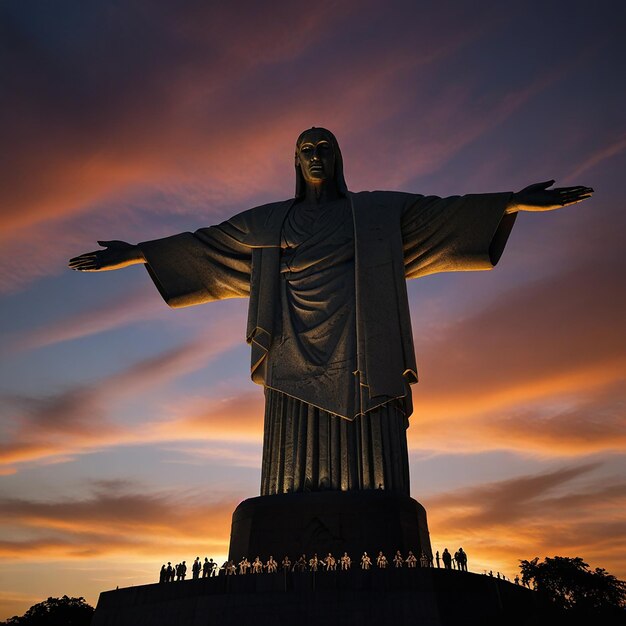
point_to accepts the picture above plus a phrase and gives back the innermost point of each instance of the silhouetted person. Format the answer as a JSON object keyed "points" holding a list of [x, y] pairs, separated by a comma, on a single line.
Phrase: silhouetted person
{"points": [[300, 565], [169, 573], [195, 568], [330, 562], [271, 566], [446, 557], [437, 559], [461, 559], [381, 561], [244, 566], [366, 562], [314, 563], [163, 574], [206, 568], [346, 562], [423, 559], [517, 580], [183, 570]]}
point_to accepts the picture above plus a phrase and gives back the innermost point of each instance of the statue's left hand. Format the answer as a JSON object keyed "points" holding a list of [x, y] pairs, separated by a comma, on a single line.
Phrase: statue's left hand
{"points": [[538, 197]]}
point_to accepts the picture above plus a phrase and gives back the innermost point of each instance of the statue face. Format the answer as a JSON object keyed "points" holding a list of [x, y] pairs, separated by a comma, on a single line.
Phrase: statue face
{"points": [[316, 157]]}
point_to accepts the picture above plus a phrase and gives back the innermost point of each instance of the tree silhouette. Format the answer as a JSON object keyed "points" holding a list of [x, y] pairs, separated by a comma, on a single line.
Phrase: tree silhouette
{"points": [[569, 584], [55, 612]]}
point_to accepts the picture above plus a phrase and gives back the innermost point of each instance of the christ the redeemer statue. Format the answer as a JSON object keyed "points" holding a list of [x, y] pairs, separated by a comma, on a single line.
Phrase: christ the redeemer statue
{"points": [[328, 319]]}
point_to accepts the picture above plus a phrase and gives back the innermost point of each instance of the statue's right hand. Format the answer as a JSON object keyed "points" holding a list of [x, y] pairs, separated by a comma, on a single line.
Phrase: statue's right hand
{"points": [[116, 255]]}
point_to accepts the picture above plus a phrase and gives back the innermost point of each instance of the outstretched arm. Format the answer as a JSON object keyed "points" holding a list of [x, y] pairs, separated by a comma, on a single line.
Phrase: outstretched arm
{"points": [[538, 197], [115, 256]]}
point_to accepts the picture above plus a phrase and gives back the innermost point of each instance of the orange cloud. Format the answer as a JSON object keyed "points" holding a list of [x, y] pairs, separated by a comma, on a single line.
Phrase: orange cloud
{"points": [[76, 146], [75, 420], [16, 602], [540, 367], [186, 113], [569, 512], [116, 520], [232, 418], [564, 420]]}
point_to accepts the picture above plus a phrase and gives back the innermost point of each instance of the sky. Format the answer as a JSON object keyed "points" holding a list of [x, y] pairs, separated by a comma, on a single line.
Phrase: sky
{"points": [[129, 431]]}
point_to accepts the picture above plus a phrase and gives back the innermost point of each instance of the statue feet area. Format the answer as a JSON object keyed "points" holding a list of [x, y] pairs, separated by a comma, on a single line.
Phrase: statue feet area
{"points": [[355, 522]]}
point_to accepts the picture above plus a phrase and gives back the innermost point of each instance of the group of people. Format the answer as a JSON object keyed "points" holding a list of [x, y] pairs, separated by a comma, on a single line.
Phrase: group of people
{"points": [[328, 563], [171, 573], [459, 561]]}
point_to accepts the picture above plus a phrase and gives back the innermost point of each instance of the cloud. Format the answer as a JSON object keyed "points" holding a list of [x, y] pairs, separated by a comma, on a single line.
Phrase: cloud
{"points": [[213, 110], [541, 366], [592, 424], [462, 108], [505, 501], [127, 308], [232, 418], [116, 519], [76, 420], [101, 115], [571, 511], [569, 421], [612, 149], [14, 602]]}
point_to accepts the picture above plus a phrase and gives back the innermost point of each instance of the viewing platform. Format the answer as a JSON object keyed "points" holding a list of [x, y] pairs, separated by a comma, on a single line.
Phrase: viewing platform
{"points": [[424, 596]]}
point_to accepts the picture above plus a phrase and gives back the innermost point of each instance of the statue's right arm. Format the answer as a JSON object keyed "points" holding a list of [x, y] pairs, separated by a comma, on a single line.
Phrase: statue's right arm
{"points": [[115, 256]]}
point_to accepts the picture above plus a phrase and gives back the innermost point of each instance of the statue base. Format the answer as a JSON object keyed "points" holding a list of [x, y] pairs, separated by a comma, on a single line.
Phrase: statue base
{"points": [[404, 597], [330, 521], [306, 523]]}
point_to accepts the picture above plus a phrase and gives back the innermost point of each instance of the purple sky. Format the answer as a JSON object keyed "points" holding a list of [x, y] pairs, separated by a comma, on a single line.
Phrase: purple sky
{"points": [[129, 432]]}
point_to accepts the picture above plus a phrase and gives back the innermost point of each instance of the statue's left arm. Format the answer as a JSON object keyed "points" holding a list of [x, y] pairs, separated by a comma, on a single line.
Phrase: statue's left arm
{"points": [[462, 233]]}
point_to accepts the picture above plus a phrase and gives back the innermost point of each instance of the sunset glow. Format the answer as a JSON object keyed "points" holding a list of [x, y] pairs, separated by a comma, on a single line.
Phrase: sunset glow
{"points": [[129, 432]]}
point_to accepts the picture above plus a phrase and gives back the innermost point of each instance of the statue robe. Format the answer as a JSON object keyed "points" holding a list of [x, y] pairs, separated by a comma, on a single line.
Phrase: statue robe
{"points": [[320, 435]]}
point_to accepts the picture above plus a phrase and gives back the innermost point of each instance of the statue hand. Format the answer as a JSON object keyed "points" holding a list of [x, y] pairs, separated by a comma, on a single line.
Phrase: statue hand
{"points": [[538, 197], [116, 255]]}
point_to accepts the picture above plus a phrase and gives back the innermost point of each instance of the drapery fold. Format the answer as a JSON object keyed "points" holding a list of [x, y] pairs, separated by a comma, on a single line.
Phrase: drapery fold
{"points": [[309, 449]]}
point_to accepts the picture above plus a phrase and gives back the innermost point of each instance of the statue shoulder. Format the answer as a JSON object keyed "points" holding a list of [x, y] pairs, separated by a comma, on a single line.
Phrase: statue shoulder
{"points": [[259, 226], [382, 198], [263, 213], [374, 207]]}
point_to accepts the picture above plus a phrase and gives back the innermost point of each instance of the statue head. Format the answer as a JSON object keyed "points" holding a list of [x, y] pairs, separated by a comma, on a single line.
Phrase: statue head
{"points": [[326, 164]]}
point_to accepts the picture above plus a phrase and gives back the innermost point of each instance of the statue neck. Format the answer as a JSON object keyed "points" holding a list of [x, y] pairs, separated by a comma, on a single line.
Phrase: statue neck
{"points": [[323, 193]]}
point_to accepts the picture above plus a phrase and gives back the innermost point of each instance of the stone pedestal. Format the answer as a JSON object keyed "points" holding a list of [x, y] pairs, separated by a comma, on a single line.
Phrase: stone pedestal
{"points": [[333, 521], [406, 597]]}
